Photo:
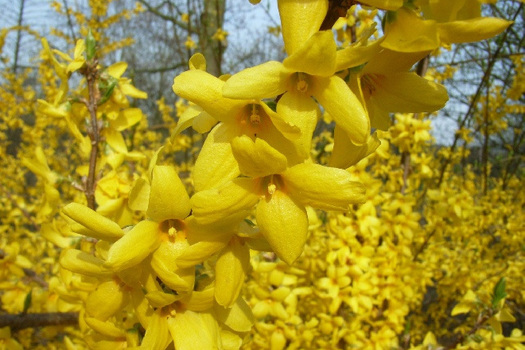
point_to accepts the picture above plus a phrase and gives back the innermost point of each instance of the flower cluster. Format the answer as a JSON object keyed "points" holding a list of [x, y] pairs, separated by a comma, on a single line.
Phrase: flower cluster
{"points": [[281, 237]]}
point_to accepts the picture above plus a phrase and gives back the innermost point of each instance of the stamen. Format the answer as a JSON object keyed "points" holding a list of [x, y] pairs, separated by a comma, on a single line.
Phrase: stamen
{"points": [[255, 118], [302, 84]]}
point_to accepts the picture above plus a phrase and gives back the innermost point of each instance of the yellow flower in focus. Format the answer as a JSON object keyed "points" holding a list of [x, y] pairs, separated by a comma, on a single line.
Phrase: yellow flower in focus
{"points": [[280, 193], [305, 75]]}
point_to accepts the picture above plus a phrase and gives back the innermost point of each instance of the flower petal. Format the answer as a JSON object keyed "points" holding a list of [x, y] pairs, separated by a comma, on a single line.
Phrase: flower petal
{"points": [[284, 224], [205, 90], [134, 247], [139, 195], [301, 111], [346, 154], [229, 203], [257, 158], [316, 57], [168, 197], [106, 300], [83, 263], [299, 20], [239, 317], [216, 164], [344, 107], [475, 29], [410, 33], [194, 330], [263, 81], [230, 272], [323, 187], [91, 223], [157, 335], [408, 93], [356, 55]]}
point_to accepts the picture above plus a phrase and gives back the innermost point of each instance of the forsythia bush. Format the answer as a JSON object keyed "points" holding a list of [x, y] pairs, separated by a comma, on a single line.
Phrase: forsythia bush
{"points": [[276, 236]]}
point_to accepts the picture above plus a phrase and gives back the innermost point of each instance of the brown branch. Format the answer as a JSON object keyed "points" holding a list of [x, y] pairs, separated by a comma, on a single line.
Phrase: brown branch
{"points": [[22, 321], [424, 245], [91, 74], [405, 160], [474, 100], [482, 319], [18, 36], [36, 278], [336, 9]]}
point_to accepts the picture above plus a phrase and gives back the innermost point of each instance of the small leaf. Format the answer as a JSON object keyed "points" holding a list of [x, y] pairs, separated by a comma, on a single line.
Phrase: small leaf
{"points": [[499, 292], [27, 302], [90, 46], [109, 90]]}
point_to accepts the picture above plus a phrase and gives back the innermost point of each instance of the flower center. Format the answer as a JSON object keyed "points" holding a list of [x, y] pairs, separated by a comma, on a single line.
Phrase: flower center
{"points": [[369, 83], [173, 229], [272, 183], [301, 83]]}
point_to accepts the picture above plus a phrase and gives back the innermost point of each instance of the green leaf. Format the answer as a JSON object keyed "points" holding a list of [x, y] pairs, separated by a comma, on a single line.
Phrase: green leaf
{"points": [[91, 45], [108, 90], [27, 302], [499, 292]]}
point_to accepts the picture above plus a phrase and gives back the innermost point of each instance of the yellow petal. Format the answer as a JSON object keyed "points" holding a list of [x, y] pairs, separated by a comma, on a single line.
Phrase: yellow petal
{"points": [[197, 61], [406, 92], [230, 272], [185, 120], [230, 203], [200, 300], [117, 69], [83, 263], [157, 335], [106, 328], [216, 164], [134, 247], [323, 187], [343, 105], [139, 195], [205, 90], [164, 264], [257, 159], [301, 111], [205, 241], [284, 224], [106, 300], [168, 197], [353, 56], [158, 299], [316, 57], [192, 330], [204, 122], [115, 140], [239, 317], [131, 91], [475, 29], [127, 118], [410, 33], [346, 154], [98, 226], [263, 81], [299, 20]]}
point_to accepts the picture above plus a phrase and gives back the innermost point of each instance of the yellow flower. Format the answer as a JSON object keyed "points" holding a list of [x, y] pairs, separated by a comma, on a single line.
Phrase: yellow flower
{"points": [[386, 86], [216, 163], [280, 193], [306, 74], [409, 32]]}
